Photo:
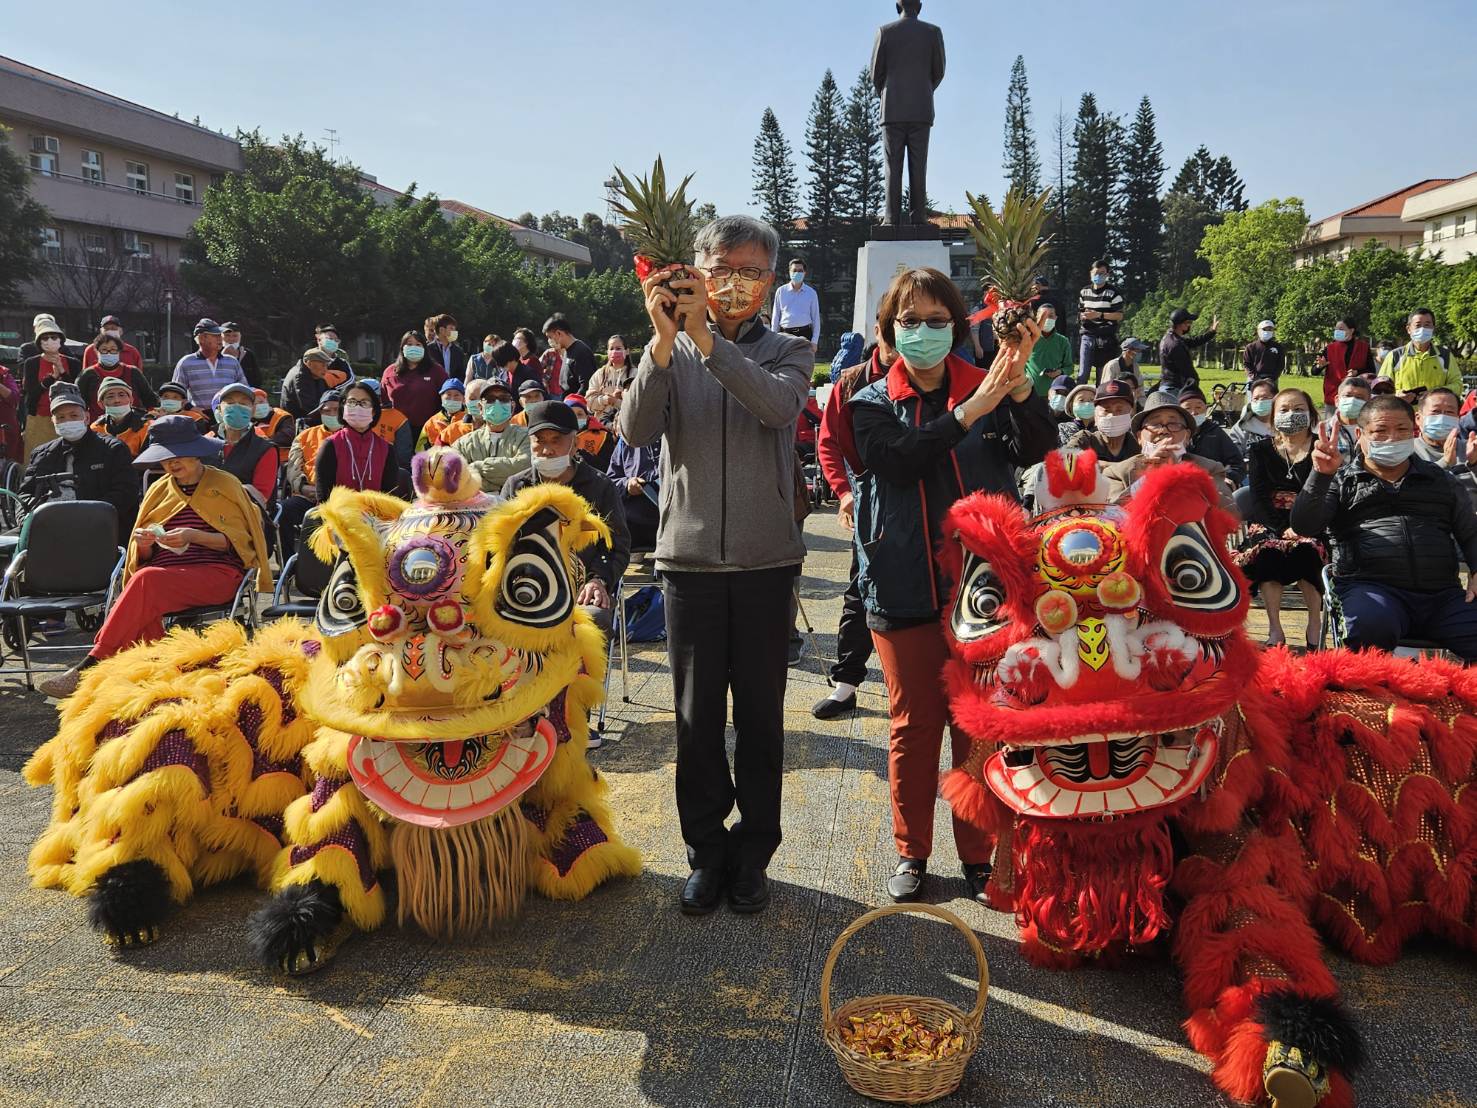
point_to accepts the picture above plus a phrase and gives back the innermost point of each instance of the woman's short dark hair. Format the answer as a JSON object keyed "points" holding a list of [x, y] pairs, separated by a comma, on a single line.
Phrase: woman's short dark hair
{"points": [[101, 340], [1349, 324], [529, 339], [924, 281], [506, 354]]}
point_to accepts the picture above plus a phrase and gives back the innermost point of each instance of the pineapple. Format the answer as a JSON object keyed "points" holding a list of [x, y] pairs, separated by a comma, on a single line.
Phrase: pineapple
{"points": [[659, 225], [1011, 250]]}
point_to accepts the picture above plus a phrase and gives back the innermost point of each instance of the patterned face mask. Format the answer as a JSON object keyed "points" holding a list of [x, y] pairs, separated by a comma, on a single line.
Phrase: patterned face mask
{"points": [[735, 297]]}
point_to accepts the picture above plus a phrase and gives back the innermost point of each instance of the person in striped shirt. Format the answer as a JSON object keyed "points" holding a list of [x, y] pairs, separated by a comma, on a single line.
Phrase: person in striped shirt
{"points": [[1099, 310], [208, 370]]}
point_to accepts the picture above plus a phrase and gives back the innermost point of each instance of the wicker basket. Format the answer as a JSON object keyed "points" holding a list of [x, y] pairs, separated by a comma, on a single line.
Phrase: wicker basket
{"points": [[904, 1082]]}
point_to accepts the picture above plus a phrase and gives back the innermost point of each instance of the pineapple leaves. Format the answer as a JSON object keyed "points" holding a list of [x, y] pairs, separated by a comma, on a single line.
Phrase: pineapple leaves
{"points": [[1011, 245], [659, 225]]}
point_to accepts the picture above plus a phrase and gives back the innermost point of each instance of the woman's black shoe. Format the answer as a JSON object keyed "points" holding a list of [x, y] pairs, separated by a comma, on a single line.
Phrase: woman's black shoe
{"points": [[830, 707], [703, 891], [976, 876], [907, 882]]}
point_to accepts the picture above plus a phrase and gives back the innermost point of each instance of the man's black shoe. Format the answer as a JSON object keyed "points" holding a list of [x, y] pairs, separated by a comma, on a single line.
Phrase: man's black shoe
{"points": [[797, 651], [907, 882], [976, 875], [703, 891], [830, 707], [748, 890]]}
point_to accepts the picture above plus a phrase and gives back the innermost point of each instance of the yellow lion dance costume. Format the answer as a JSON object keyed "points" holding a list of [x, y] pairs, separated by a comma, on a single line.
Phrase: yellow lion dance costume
{"points": [[430, 722]]}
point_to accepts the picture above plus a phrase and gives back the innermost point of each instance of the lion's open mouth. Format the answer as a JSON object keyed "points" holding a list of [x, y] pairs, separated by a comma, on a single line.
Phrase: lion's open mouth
{"points": [[1101, 776], [454, 781]]}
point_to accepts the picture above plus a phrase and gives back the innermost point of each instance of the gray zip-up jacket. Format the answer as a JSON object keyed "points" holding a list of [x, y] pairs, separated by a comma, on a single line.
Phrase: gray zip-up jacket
{"points": [[727, 425]]}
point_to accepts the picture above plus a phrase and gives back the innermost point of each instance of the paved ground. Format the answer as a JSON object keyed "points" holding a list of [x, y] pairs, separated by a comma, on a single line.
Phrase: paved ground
{"points": [[619, 1000]]}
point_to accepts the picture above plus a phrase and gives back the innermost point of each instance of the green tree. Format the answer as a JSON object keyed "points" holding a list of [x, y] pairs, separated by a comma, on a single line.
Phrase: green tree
{"points": [[608, 249], [1140, 214], [286, 242], [1426, 284], [1461, 306], [776, 188], [1250, 260], [1022, 163], [825, 153], [1149, 318], [1204, 190], [1325, 291], [21, 220], [1090, 192], [422, 268], [863, 184]]}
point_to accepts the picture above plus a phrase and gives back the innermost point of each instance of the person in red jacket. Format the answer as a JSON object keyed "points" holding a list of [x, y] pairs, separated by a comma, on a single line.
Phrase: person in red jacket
{"points": [[835, 449], [113, 326], [1347, 355]]}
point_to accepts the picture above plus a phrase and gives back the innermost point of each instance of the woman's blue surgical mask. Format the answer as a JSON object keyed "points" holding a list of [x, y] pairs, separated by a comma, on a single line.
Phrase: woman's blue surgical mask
{"points": [[1099, 279], [1261, 407], [108, 360], [474, 409], [328, 345], [497, 412], [413, 353], [923, 347], [1350, 406], [235, 417], [487, 349], [170, 404], [1339, 334], [1437, 427], [1389, 453]]}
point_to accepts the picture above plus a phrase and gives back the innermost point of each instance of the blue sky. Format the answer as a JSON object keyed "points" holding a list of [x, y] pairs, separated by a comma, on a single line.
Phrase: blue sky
{"points": [[513, 107]]}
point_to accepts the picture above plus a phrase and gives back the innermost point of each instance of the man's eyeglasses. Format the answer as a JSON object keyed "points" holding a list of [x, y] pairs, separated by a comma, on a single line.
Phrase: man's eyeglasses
{"points": [[748, 272], [1168, 426], [931, 324]]}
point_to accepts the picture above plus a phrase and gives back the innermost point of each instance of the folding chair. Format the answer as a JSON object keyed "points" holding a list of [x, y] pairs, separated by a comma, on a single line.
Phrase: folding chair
{"points": [[241, 609], [54, 573], [305, 572], [635, 577]]}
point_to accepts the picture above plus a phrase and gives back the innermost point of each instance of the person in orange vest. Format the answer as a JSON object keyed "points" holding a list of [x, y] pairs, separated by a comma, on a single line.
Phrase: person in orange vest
{"points": [[274, 424], [302, 458], [394, 427], [120, 418], [453, 401], [174, 399], [594, 440], [473, 412]]}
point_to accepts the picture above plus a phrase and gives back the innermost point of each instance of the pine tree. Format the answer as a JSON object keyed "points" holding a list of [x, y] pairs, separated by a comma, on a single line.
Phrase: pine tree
{"points": [[863, 194], [825, 155], [1204, 190], [1058, 225], [1140, 218], [1022, 165], [1090, 191], [776, 188]]}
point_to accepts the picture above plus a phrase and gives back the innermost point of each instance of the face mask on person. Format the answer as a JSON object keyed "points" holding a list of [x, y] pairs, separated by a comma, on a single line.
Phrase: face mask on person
{"points": [[1423, 334], [262, 410], [451, 336], [1437, 427], [70, 429], [118, 411], [413, 354], [170, 404], [1164, 450], [1114, 425], [51, 345], [1265, 334], [617, 357], [358, 416], [497, 412], [1290, 423], [1339, 334], [487, 349], [1048, 326], [1099, 280], [924, 347], [520, 344], [1082, 411], [735, 298], [1350, 406], [235, 417], [1058, 401], [328, 345], [551, 467], [332, 422], [797, 277], [451, 407], [474, 409], [108, 360], [581, 421], [113, 333], [1201, 418], [1389, 453], [1261, 408]]}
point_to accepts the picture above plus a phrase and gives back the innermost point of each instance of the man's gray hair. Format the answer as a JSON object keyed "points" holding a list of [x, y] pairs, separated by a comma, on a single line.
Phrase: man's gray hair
{"points": [[730, 231]]}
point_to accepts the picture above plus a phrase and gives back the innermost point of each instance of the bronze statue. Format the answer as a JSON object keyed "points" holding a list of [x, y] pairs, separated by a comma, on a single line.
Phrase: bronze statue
{"points": [[907, 65]]}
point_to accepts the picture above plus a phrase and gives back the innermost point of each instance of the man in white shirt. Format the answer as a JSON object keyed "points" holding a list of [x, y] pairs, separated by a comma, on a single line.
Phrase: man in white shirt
{"points": [[797, 309]]}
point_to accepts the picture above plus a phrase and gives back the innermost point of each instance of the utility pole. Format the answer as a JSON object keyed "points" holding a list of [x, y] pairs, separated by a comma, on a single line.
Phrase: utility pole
{"points": [[331, 133]]}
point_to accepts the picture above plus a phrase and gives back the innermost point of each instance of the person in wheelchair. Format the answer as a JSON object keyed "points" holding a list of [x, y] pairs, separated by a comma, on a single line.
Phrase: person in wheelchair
{"points": [[197, 533], [1398, 523], [80, 464]]}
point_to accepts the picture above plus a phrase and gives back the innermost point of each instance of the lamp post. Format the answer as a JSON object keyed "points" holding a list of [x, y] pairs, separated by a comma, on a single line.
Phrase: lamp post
{"points": [[169, 327]]}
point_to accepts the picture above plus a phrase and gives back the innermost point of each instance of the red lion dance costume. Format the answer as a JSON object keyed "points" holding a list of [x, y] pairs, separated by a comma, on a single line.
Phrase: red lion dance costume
{"points": [[1148, 771]]}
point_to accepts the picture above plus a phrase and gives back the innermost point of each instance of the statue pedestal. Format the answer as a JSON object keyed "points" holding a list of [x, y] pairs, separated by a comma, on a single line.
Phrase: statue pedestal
{"points": [[878, 262]]}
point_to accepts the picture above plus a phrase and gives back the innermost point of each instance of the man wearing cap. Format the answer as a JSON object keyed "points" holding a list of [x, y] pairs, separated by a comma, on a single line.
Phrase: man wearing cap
{"points": [[1112, 419], [499, 447], [476, 390], [553, 431], [1131, 353], [1209, 439], [196, 535], [273, 424], [247, 456], [174, 399], [128, 355], [1056, 399], [1265, 358], [529, 394], [453, 393], [596, 441], [339, 368], [231, 344], [1163, 433], [1176, 366], [208, 370], [307, 381], [80, 464], [120, 418], [1099, 311]]}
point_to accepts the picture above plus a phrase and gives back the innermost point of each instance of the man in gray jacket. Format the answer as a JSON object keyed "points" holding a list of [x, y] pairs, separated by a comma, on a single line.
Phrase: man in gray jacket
{"points": [[723, 393]]}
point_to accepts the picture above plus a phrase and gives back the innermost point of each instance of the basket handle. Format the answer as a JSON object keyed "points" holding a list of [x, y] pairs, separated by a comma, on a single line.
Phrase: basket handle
{"points": [[975, 1014]]}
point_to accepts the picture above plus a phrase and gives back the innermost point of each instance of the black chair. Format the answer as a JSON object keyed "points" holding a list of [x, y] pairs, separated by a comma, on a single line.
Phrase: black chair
{"points": [[305, 573], [241, 609], [69, 561]]}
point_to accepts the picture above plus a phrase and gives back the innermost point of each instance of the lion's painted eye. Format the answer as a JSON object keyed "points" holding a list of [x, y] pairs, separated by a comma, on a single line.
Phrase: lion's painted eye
{"points": [[536, 589], [1193, 573], [340, 609], [978, 607]]}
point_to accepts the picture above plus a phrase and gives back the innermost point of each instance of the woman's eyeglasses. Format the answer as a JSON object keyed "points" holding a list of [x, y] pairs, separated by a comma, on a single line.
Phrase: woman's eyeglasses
{"points": [[931, 324]]}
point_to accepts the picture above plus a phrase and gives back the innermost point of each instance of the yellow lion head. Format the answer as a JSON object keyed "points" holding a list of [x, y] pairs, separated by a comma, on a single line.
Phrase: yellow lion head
{"points": [[447, 636]]}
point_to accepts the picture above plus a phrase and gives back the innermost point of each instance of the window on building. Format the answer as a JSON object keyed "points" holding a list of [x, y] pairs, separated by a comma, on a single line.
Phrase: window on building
{"points": [[92, 167], [1434, 229], [961, 267], [1461, 225], [184, 187], [140, 251], [138, 176], [51, 244], [216, 180], [94, 242], [45, 153]]}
